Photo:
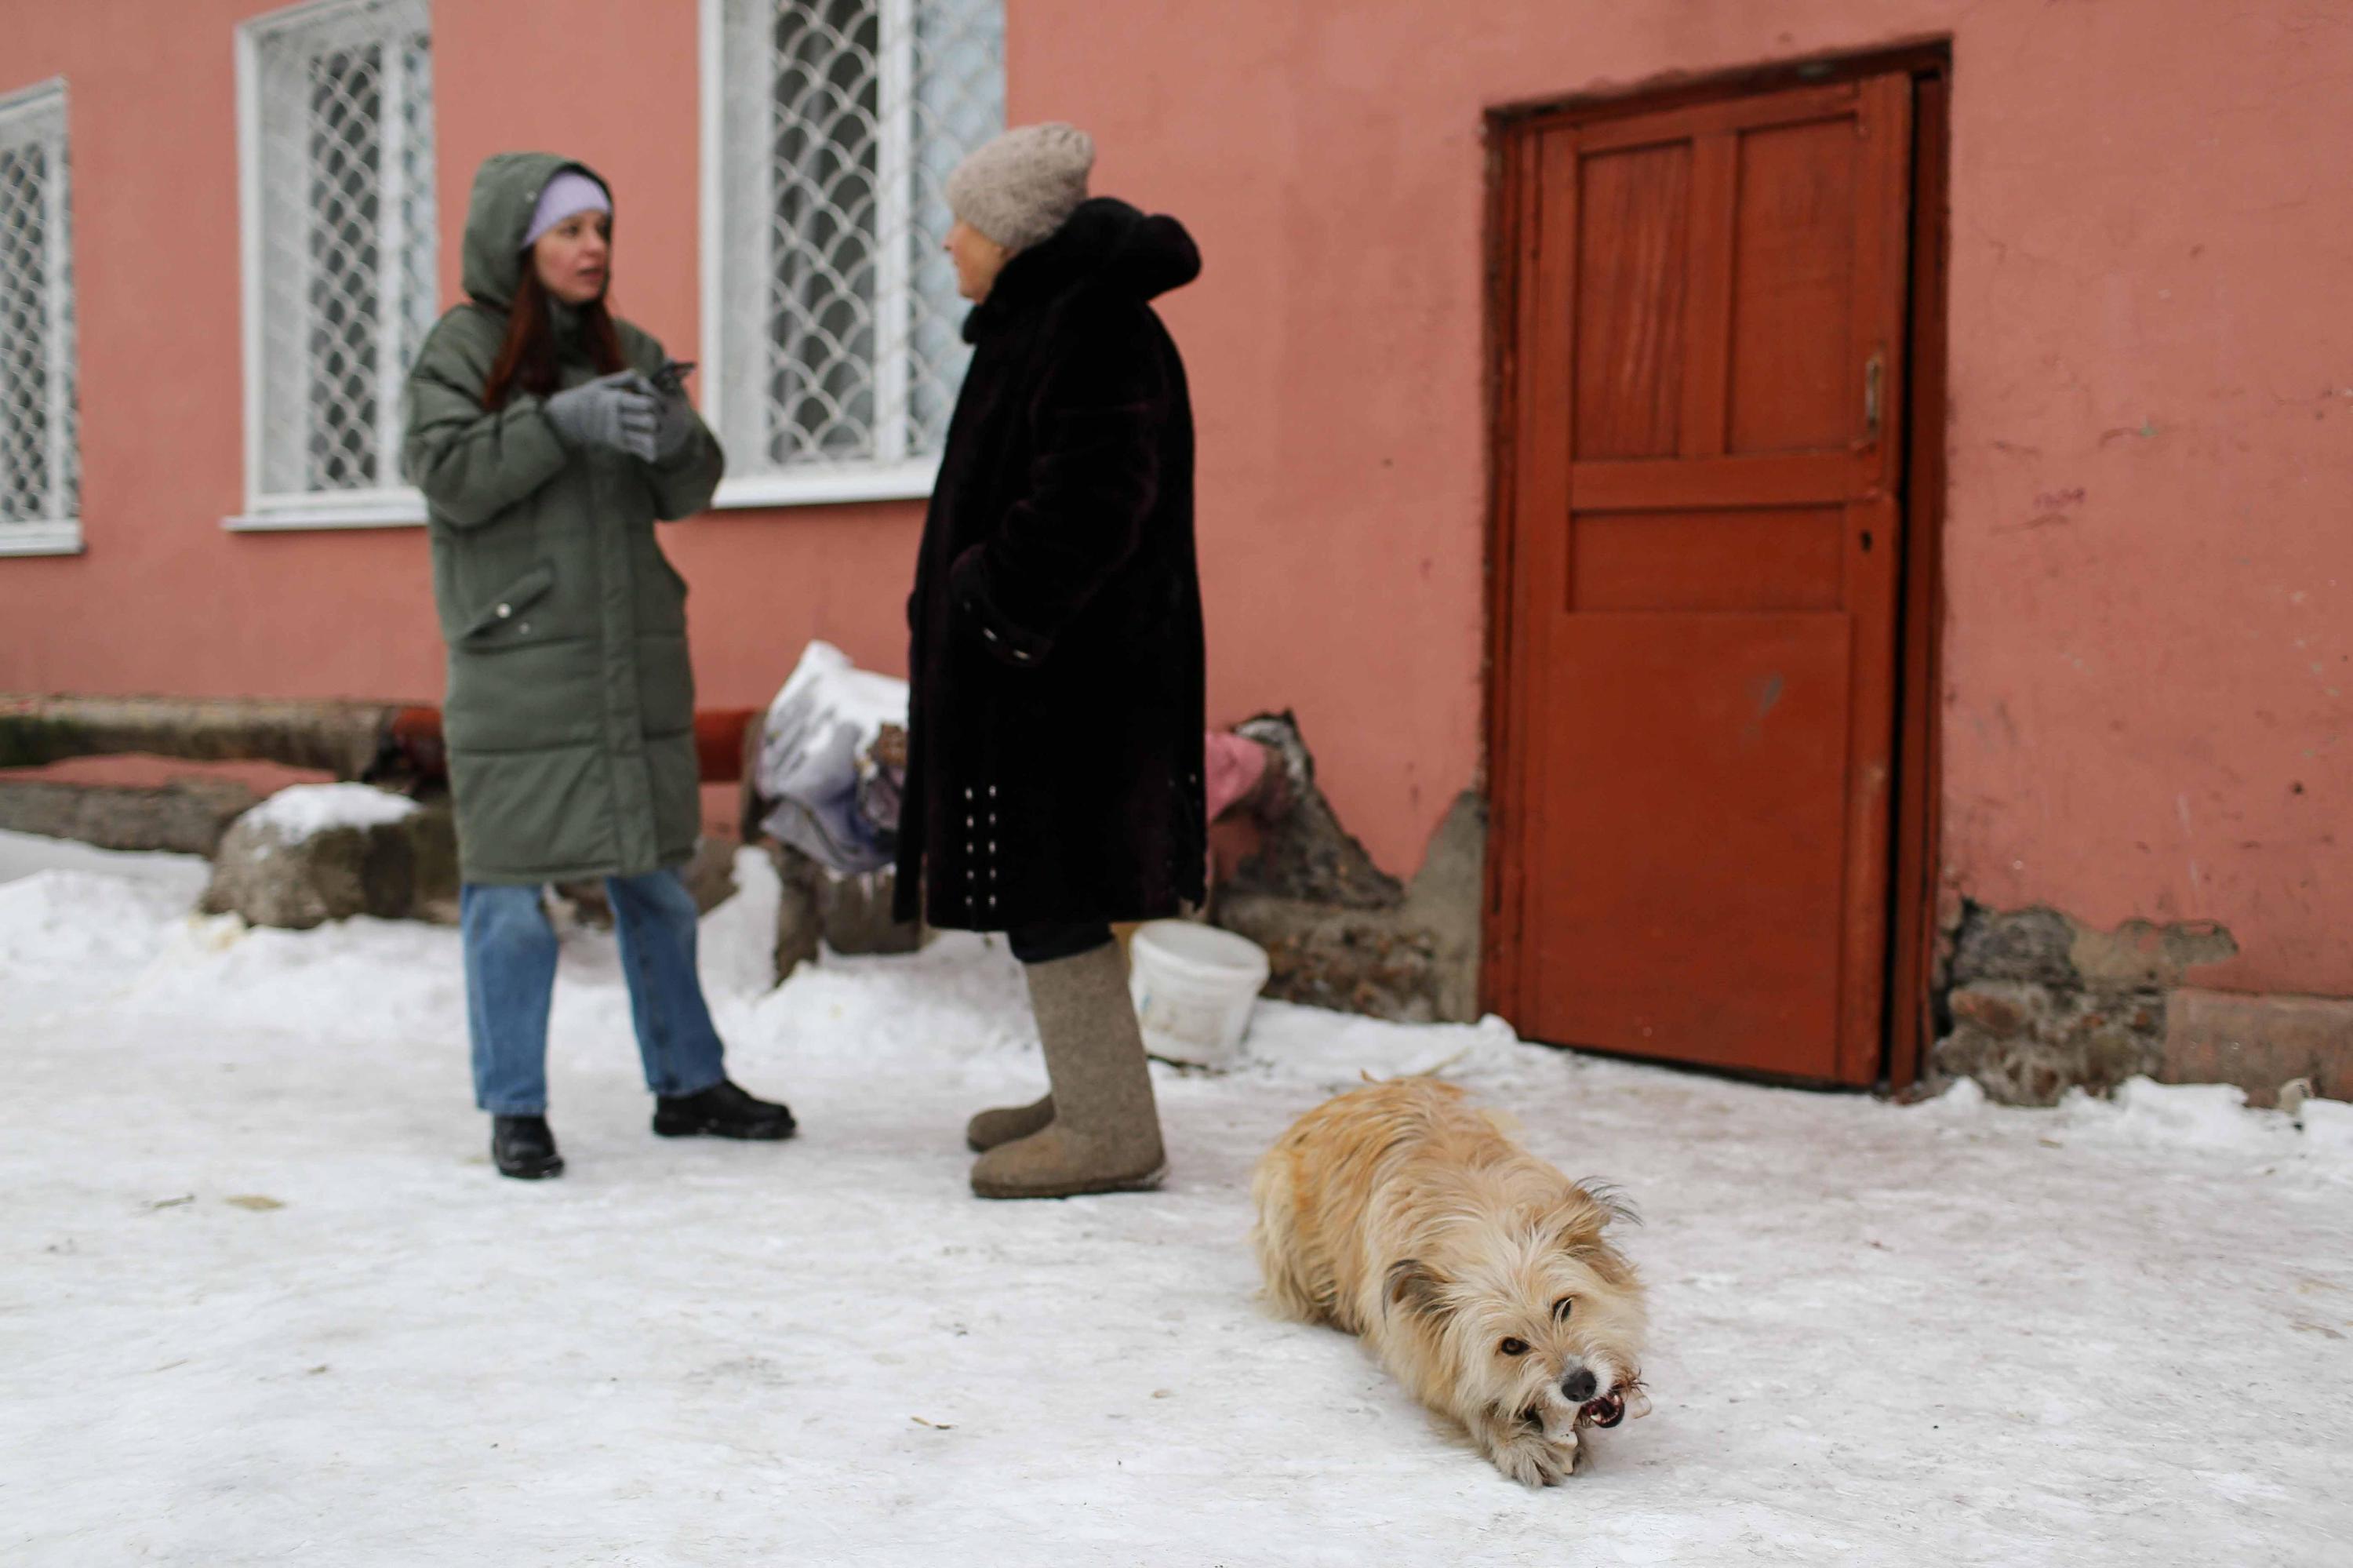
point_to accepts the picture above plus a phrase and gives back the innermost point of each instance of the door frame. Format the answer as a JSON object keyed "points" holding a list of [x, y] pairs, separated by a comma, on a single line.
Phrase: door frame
{"points": [[1915, 831]]}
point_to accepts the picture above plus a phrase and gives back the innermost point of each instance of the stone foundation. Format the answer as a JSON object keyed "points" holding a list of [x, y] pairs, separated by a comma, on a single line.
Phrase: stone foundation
{"points": [[2038, 1003], [1341, 933]]}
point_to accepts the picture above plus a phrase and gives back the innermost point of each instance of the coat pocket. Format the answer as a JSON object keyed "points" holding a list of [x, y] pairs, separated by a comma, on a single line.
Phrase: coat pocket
{"points": [[502, 619]]}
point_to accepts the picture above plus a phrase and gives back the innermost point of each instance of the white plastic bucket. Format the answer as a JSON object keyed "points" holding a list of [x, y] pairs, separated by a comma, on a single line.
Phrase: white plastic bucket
{"points": [[1194, 987]]}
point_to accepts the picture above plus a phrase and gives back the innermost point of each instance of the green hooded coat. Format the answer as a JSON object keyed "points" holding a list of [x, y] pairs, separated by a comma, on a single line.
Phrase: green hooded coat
{"points": [[570, 713]]}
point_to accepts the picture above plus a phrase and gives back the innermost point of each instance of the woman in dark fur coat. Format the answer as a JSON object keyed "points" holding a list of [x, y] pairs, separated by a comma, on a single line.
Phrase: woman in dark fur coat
{"points": [[1054, 776]]}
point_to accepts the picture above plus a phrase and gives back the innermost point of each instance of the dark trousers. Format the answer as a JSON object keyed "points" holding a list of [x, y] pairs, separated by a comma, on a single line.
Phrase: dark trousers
{"points": [[1043, 944]]}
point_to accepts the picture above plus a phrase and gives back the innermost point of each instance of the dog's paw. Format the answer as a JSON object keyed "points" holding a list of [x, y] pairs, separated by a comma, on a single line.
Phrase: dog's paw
{"points": [[1533, 1461]]}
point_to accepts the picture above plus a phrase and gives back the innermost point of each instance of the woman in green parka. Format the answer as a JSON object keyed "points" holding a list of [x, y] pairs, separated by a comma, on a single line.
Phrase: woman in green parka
{"points": [[548, 438]]}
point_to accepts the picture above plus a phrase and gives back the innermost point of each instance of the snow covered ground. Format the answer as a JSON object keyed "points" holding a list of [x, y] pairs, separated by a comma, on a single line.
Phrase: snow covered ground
{"points": [[263, 1299]]}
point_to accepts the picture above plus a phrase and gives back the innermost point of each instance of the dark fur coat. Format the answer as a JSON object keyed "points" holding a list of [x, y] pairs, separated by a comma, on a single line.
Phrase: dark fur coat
{"points": [[1055, 727]]}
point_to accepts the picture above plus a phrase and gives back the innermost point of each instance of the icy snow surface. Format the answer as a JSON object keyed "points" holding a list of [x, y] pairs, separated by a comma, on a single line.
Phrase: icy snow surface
{"points": [[304, 810], [264, 1300]]}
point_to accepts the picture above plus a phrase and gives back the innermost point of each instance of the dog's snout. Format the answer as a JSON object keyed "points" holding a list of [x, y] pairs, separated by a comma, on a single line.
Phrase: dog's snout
{"points": [[1580, 1385]]}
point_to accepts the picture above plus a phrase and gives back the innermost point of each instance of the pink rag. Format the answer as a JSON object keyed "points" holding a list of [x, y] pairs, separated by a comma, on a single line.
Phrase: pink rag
{"points": [[1235, 766]]}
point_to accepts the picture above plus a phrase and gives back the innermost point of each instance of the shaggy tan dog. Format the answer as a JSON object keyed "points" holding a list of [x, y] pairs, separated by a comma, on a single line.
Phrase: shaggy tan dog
{"points": [[1478, 1274]]}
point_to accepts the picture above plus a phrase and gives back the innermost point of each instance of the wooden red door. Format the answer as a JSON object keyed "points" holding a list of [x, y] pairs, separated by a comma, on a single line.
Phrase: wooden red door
{"points": [[1701, 551]]}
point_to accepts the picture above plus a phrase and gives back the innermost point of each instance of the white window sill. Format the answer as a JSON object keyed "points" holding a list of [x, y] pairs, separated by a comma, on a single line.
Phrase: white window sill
{"points": [[831, 486], [810, 487], [378, 510], [40, 538]]}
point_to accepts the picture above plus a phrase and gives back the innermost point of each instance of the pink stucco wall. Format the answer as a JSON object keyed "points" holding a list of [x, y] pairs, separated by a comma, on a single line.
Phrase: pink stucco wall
{"points": [[2150, 545], [2151, 433]]}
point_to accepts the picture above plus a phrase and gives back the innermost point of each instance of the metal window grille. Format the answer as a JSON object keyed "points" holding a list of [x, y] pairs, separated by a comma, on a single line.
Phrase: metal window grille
{"points": [[338, 99], [835, 328], [40, 469]]}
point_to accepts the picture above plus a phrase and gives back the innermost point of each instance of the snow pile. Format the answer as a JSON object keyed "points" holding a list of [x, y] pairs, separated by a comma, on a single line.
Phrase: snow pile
{"points": [[30, 854], [305, 810], [1962, 1102], [2327, 1128], [1337, 1051], [88, 928], [736, 949], [2175, 1116], [2214, 1117], [85, 920]]}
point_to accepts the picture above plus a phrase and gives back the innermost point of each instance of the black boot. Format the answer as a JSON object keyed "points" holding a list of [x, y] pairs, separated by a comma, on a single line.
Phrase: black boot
{"points": [[522, 1147], [721, 1110]]}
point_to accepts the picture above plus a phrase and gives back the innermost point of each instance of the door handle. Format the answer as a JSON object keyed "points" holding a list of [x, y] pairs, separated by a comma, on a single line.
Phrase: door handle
{"points": [[1874, 373]]}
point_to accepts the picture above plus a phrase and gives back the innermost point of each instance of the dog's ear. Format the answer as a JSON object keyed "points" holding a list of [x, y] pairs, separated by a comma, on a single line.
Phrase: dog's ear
{"points": [[1578, 1230], [1580, 1223], [1416, 1288], [1612, 1201]]}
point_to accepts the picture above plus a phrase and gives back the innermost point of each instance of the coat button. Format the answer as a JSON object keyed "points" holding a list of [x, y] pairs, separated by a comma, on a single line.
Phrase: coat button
{"points": [[505, 610]]}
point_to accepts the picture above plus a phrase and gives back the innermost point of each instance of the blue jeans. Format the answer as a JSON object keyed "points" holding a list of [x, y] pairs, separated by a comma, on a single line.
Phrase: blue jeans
{"points": [[511, 982]]}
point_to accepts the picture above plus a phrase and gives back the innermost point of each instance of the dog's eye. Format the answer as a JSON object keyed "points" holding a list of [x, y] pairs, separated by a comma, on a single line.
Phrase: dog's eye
{"points": [[1513, 1347], [1563, 1307]]}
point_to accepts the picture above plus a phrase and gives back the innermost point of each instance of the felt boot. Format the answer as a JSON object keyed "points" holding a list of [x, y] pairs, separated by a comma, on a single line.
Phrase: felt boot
{"points": [[1003, 1124], [1105, 1132]]}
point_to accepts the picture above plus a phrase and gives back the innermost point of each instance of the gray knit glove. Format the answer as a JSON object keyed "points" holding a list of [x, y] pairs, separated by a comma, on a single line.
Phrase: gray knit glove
{"points": [[673, 425], [673, 414], [616, 411]]}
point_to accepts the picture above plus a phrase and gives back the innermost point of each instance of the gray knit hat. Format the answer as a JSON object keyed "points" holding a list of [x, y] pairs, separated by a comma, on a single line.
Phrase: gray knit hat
{"points": [[1020, 187]]}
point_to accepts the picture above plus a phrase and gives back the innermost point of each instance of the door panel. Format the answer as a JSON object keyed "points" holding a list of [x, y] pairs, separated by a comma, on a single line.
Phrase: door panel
{"points": [[1637, 210], [1703, 559], [1793, 273], [1722, 739], [1764, 558]]}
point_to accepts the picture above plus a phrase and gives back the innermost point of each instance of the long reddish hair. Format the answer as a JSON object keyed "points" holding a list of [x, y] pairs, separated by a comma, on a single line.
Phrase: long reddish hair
{"points": [[526, 361]]}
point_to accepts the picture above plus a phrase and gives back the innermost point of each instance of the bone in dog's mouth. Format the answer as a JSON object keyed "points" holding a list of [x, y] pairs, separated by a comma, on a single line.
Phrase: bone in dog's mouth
{"points": [[1607, 1410]]}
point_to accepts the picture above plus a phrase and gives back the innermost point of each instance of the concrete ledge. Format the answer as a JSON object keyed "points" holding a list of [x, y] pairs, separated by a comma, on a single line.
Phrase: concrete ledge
{"points": [[185, 817], [2258, 1043]]}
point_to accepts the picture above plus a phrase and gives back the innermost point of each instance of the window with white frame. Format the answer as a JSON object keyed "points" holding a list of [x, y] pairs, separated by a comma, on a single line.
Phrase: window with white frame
{"points": [[40, 467], [335, 111], [832, 330]]}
